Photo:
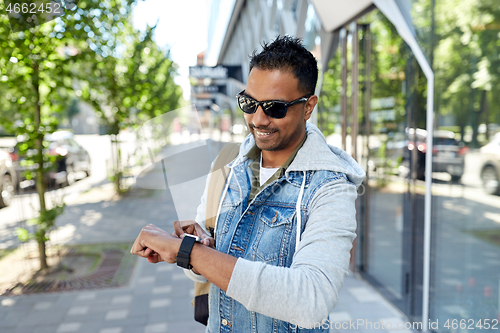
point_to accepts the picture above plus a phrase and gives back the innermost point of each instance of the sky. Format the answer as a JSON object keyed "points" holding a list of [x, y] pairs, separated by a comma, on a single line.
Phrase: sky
{"points": [[182, 25]]}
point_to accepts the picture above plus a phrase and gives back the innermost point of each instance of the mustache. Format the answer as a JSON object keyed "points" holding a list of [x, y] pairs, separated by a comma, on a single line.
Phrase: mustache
{"points": [[260, 128]]}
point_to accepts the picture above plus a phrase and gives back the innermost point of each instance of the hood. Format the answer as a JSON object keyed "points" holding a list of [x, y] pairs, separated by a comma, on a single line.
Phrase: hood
{"points": [[316, 154]]}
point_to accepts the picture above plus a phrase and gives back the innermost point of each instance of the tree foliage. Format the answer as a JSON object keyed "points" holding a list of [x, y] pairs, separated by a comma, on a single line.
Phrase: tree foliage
{"points": [[90, 52]]}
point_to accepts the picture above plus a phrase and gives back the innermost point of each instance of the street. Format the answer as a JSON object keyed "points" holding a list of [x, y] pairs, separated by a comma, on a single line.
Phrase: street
{"points": [[25, 205], [157, 299]]}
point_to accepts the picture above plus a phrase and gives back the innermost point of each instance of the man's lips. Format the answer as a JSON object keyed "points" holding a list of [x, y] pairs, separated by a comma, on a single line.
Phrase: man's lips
{"points": [[263, 134]]}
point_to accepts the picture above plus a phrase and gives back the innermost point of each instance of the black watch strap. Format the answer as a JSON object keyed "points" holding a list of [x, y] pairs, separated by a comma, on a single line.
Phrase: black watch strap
{"points": [[184, 254]]}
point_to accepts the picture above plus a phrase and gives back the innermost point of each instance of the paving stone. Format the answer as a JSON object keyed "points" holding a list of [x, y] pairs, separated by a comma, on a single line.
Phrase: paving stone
{"points": [[165, 268], [41, 328], [156, 328], [13, 330], [161, 290], [78, 310], [127, 322], [42, 318], [180, 276], [146, 280], [116, 315], [11, 319], [69, 327], [133, 329], [159, 303], [90, 327], [87, 296], [42, 306], [364, 294], [111, 330], [138, 309], [125, 299]]}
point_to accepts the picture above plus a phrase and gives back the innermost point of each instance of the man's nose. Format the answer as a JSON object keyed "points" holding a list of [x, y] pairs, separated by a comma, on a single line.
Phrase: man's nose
{"points": [[260, 119]]}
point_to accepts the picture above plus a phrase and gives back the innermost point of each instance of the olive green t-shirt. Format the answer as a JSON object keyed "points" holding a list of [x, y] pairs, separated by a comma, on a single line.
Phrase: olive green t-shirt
{"points": [[254, 154]]}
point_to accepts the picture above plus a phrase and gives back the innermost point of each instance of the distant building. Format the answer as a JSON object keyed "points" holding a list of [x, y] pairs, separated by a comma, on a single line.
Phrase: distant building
{"points": [[85, 120]]}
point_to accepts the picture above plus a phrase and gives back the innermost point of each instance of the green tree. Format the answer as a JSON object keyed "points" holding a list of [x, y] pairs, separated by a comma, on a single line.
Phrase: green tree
{"points": [[466, 62], [38, 64], [131, 85]]}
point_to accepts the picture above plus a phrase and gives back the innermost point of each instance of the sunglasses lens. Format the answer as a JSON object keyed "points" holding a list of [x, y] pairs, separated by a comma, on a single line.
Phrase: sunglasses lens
{"points": [[274, 109], [246, 104]]}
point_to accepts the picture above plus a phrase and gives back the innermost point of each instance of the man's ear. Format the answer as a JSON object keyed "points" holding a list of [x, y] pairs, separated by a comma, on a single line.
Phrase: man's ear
{"points": [[309, 106]]}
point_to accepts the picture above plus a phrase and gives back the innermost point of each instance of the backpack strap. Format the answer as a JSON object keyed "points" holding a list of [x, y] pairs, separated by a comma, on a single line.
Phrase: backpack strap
{"points": [[220, 172]]}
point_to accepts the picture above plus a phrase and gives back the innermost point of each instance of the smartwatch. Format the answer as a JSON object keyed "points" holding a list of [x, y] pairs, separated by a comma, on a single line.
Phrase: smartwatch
{"points": [[184, 254]]}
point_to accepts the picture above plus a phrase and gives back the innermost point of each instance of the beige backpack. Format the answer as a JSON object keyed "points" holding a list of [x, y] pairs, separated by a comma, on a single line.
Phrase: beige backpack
{"points": [[215, 188]]}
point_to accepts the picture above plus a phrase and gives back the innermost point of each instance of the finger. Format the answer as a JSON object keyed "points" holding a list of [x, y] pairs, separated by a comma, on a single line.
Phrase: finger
{"points": [[136, 247], [178, 231], [200, 231], [148, 252], [207, 241], [154, 258]]}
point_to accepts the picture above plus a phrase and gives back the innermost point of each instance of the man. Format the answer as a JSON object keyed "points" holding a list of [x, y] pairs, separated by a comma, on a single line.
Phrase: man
{"points": [[287, 218]]}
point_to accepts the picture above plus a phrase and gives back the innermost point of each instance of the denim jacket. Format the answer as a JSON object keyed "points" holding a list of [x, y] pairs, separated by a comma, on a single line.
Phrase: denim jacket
{"points": [[292, 241]]}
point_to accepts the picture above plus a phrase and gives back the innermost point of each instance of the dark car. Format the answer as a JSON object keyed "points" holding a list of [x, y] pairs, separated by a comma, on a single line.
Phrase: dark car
{"points": [[490, 170], [8, 179], [71, 159], [447, 153]]}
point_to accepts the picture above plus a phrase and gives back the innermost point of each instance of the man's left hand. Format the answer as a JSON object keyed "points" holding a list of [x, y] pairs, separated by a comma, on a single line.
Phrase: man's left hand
{"points": [[156, 245]]}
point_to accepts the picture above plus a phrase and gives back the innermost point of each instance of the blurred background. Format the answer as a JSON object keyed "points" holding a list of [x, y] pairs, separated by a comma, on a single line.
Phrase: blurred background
{"points": [[409, 88]]}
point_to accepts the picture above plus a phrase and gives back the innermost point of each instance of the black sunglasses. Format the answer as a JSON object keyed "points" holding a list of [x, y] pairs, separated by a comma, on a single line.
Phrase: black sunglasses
{"points": [[273, 109]]}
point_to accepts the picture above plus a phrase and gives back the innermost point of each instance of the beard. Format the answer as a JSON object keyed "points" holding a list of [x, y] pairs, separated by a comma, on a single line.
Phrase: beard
{"points": [[277, 141]]}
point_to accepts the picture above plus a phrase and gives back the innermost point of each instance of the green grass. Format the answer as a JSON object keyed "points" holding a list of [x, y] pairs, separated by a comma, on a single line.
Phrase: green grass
{"points": [[491, 236]]}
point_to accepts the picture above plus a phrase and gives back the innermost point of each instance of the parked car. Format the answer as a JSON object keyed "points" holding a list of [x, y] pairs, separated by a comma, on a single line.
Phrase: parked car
{"points": [[447, 153], [490, 170], [71, 159], [8, 179]]}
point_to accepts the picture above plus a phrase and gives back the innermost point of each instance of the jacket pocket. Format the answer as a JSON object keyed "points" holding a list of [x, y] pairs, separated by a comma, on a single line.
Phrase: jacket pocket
{"points": [[228, 209], [275, 232]]}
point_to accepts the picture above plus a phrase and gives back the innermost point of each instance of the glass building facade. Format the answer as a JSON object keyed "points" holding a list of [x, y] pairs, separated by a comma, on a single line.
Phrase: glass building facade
{"points": [[373, 103]]}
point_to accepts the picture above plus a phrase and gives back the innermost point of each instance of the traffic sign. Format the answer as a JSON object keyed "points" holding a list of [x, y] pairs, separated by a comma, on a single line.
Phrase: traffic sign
{"points": [[217, 73], [213, 89], [203, 104]]}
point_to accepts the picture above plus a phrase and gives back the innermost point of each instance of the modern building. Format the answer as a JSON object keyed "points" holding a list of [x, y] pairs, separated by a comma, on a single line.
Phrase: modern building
{"points": [[411, 89]]}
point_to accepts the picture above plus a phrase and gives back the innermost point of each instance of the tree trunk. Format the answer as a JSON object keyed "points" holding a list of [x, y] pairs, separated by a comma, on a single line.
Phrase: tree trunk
{"points": [[40, 179], [485, 111], [116, 165]]}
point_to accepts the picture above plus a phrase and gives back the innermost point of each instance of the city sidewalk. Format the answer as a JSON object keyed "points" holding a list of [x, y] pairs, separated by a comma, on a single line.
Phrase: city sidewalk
{"points": [[157, 299]]}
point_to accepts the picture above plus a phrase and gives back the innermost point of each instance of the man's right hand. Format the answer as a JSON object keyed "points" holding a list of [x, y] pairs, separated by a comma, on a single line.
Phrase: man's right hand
{"points": [[193, 228]]}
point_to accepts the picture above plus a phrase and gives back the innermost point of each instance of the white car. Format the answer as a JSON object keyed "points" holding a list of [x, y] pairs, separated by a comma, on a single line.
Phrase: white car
{"points": [[490, 171]]}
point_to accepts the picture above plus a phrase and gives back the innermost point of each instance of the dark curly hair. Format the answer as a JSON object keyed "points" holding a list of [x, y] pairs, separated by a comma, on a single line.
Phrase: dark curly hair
{"points": [[288, 53]]}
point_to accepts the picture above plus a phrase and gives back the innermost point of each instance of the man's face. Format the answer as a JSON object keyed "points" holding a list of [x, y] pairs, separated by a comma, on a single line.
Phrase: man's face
{"points": [[276, 134]]}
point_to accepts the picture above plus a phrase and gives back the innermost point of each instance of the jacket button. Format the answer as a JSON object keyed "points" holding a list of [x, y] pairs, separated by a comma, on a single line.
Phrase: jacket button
{"points": [[224, 322]]}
